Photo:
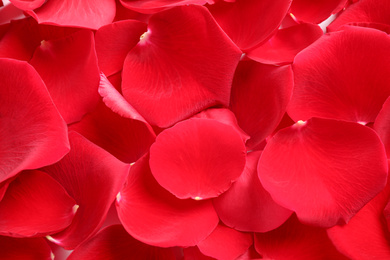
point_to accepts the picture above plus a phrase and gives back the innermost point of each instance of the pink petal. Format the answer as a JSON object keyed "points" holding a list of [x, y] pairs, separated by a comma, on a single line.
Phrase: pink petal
{"points": [[249, 23], [24, 248], [197, 158], [33, 133], [315, 11], [86, 14], [70, 70], [114, 243], [382, 125], [260, 95], [35, 204], [225, 243], [246, 206], [183, 64], [324, 170], [154, 6], [114, 41], [154, 216], [92, 177], [27, 4], [286, 43], [326, 80]]}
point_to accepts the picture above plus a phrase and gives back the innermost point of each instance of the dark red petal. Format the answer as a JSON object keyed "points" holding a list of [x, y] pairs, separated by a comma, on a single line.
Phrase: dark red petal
{"points": [[193, 253], [324, 170], [225, 243], [115, 243], [86, 14], [69, 68], [286, 43], [376, 11], [183, 64], [35, 204], [246, 206], [315, 11], [92, 177], [114, 41], [154, 216], [294, 240], [24, 248], [250, 22], [260, 95], [33, 133], [197, 158], [154, 6], [382, 125], [27, 5], [326, 80]]}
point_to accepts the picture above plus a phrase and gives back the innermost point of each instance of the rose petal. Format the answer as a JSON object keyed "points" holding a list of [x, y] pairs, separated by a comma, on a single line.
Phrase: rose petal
{"points": [[154, 216], [197, 158], [24, 248], [35, 204], [69, 68], [33, 133], [382, 125], [27, 5], [193, 253], [154, 6], [183, 64], [324, 170], [92, 177], [315, 11], [337, 77]]}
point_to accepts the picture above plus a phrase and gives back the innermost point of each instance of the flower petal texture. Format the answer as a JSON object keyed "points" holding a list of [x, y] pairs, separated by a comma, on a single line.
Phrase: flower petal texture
{"points": [[152, 6], [183, 64], [382, 125], [197, 158], [315, 11], [324, 170], [24, 248], [27, 4]]}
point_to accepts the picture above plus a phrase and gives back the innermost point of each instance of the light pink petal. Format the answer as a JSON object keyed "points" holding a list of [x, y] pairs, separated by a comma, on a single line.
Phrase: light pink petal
{"points": [[225, 243], [337, 76], [27, 4], [92, 177], [183, 64], [197, 158], [315, 11], [324, 170], [154, 216], [33, 134], [69, 68], [154, 6], [35, 204], [246, 206], [24, 248], [260, 95]]}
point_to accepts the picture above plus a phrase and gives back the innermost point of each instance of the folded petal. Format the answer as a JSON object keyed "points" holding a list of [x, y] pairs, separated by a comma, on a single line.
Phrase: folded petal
{"points": [[27, 5], [315, 11], [92, 177], [33, 134], [343, 75], [382, 125], [69, 68], [324, 170], [35, 204], [154, 216], [183, 64], [154, 6], [197, 158], [24, 248]]}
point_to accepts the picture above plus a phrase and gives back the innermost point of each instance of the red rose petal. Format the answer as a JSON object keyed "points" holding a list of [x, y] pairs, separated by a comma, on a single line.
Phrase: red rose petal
{"points": [[35, 204], [260, 95], [183, 64], [315, 11], [92, 177], [70, 70], [27, 5], [114, 243], [154, 216], [86, 14], [286, 43], [324, 170], [154, 6], [250, 22], [197, 158], [24, 248], [382, 125], [33, 133], [193, 253], [246, 206], [337, 77], [225, 243]]}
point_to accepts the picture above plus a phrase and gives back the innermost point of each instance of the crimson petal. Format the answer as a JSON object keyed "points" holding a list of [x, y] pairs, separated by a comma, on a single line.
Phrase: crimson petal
{"points": [[24, 248], [382, 125], [183, 64], [92, 177], [197, 158], [33, 133], [337, 77], [35, 204], [154, 6], [315, 11], [27, 5], [324, 170], [154, 216]]}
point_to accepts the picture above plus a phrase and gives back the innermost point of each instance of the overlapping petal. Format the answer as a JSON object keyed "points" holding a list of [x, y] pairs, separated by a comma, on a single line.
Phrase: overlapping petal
{"points": [[315, 11], [153, 6], [382, 125], [183, 64], [27, 4], [154, 216], [324, 170], [24, 248]]}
